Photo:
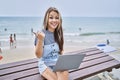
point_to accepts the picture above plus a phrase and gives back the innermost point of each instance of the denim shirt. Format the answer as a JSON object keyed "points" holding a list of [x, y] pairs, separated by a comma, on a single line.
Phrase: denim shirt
{"points": [[50, 54], [50, 51]]}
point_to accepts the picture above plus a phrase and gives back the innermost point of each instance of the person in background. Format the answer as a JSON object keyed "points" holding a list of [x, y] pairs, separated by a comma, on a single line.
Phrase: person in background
{"points": [[108, 42], [31, 30], [14, 40], [49, 45], [14, 37], [11, 40]]}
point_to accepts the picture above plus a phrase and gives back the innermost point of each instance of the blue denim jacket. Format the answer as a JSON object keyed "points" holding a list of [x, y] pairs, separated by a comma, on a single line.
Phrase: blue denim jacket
{"points": [[50, 54], [49, 57]]}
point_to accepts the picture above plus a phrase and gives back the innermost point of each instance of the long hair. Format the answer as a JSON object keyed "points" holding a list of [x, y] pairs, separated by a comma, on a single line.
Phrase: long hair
{"points": [[58, 33]]}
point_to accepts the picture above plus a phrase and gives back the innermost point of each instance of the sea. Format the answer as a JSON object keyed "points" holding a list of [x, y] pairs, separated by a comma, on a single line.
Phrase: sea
{"points": [[76, 29]]}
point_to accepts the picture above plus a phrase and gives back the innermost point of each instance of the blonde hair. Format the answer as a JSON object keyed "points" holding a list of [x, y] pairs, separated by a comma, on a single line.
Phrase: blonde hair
{"points": [[58, 34]]}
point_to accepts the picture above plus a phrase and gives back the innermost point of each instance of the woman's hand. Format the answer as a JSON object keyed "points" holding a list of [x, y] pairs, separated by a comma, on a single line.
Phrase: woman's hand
{"points": [[40, 35]]}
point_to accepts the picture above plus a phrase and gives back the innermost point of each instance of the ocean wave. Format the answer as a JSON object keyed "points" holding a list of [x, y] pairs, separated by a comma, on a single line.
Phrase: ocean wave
{"points": [[114, 32], [98, 33], [90, 33], [17, 33], [71, 34]]}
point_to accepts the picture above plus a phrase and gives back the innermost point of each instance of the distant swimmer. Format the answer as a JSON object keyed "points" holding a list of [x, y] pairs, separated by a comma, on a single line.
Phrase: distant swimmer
{"points": [[108, 42], [14, 37], [14, 40], [5, 29], [11, 40], [80, 29], [31, 30]]}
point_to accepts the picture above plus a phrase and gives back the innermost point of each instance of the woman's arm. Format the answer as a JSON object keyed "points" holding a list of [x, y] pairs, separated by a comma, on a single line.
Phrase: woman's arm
{"points": [[39, 46], [39, 49]]}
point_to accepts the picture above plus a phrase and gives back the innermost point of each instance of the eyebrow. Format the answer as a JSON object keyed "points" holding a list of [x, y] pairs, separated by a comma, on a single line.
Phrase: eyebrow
{"points": [[52, 16]]}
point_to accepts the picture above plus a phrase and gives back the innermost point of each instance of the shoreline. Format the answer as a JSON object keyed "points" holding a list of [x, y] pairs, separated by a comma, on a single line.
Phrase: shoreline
{"points": [[25, 50]]}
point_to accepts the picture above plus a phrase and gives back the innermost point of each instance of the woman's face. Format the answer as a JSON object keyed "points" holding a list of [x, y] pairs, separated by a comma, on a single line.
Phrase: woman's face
{"points": [[53, 21]]}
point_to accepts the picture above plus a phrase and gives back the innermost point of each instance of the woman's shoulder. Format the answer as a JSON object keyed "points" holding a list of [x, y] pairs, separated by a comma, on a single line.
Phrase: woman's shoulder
{"points": [[43, 30]]}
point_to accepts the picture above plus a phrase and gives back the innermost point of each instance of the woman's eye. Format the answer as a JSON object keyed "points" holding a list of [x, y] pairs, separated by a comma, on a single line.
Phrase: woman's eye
{"points": [[51, 17], [54, 17], [57, 18]]}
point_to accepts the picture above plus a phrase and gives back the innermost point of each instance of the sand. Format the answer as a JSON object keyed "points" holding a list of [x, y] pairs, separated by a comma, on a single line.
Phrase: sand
{"points": [[26, 50]]}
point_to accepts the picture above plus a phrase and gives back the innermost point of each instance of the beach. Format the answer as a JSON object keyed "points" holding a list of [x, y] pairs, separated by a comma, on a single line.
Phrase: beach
{"points": [[93, 32], [25, 49]]}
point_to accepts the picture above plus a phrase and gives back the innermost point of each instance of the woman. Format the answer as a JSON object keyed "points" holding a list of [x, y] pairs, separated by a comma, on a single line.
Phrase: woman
{"points": [[49, 45]]}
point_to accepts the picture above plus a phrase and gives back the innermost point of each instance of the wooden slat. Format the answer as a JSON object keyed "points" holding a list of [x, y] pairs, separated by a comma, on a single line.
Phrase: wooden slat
{"points": [[93, 63], [17, 69], [84, 50], [16, 75], [87, 72], [92, 53], [33, 77], [94, 56], [19, 63]]}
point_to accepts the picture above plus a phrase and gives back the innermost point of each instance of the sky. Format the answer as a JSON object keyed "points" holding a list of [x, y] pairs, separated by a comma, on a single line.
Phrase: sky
{"points": [[81, 8]]}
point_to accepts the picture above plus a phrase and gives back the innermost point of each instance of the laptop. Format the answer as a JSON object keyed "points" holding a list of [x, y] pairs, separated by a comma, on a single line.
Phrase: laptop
{"points": [[68, 62]]}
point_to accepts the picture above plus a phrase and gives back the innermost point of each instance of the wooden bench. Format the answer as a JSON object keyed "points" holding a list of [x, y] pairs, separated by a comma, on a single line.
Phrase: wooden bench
{"points": [[95, 62]]}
